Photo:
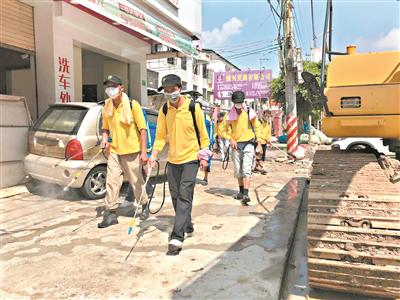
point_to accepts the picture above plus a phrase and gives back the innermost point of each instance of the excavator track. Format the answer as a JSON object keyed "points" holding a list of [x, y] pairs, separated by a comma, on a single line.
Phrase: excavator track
{"points": [[353, 225]]}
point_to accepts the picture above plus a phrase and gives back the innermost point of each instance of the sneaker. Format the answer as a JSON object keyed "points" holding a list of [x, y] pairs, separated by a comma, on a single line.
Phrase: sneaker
{"points": [[145, 212], [189, 234], [245, 201], [204, 182], [174, 247], [238, 196], [109, 219]]}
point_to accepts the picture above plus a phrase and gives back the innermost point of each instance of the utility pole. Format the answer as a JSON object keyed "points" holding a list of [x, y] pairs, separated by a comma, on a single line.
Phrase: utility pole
{"points": [[290, 76]]}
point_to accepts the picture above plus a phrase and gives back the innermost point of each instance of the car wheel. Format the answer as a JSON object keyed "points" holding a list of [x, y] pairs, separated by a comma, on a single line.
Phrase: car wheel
{"points": [[94, 186], [359, 147]]}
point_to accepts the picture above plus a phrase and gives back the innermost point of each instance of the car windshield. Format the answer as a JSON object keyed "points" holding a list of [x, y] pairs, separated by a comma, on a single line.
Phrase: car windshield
{"points": [[61, 119]]}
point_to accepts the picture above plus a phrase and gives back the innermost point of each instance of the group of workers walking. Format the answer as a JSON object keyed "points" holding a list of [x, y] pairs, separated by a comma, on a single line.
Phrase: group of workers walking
{"points": [[190, 135]]}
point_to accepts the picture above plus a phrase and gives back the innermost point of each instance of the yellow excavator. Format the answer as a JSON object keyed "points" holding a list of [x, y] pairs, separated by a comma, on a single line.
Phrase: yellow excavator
{"points": [[354, 197]]}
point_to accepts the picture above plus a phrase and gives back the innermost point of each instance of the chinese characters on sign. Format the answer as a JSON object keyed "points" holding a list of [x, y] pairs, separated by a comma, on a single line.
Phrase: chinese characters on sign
{"points": [[254, 83], [64, 80]]}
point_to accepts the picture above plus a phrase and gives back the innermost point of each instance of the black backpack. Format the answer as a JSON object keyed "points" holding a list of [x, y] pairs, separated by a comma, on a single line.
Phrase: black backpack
{"points": [[192, 109]]}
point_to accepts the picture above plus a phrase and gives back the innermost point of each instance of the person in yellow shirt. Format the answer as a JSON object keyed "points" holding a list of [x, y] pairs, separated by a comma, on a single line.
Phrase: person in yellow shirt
{"points": [[183, 121], [265, 136], [223, 142], [124, 122], [243, 138]]}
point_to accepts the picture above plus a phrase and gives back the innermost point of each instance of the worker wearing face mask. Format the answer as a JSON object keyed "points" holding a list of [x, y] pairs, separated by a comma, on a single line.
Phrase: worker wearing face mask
{"points": [[124, 121], [243, 136], [183, 121]]}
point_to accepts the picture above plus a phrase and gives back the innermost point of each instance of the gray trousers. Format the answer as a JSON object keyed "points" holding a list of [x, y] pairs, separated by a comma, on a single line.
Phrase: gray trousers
{"points": [[181, 181]]}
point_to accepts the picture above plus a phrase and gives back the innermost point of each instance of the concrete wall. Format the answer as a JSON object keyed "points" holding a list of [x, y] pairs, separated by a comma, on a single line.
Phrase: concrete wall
{"points": [[77, 61]]}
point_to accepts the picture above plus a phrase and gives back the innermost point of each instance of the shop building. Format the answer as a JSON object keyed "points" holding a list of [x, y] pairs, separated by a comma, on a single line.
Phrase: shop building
{"points": [[75, 44]]}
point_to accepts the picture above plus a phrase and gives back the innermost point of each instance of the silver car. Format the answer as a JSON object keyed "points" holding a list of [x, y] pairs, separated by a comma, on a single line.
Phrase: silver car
{"points": [[64, 131]]}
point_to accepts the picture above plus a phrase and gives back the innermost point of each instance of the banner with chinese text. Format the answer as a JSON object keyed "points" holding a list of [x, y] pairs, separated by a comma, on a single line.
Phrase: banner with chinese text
{"points": [[254, 83]]}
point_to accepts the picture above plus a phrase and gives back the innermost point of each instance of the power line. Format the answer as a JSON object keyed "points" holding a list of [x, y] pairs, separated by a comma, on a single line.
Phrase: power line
{"points": [[297, 29], [241, 45], [313, 25], [253, 51], [264, 51], [238, 49]]}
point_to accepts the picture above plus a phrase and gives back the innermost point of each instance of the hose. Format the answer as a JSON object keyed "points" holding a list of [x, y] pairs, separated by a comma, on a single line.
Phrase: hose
{"points": [[225, 161], [154, 188]]}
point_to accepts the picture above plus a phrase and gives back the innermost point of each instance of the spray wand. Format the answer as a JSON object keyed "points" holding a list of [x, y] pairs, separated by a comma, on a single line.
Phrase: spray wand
{"points": [[132, 222], [75, 155]]}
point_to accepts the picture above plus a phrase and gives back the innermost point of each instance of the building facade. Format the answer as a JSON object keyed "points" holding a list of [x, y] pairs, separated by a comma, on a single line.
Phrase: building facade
{"points": [[218, 64], [74, 44]]}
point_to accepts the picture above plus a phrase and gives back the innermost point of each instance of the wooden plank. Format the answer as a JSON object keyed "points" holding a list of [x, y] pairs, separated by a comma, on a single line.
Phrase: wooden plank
{"points": [[349, 277], [354, 230], [356, 217], [345, 287], [341, 264], [334, 253], [339, 196], [350, 207], [363, 242]]}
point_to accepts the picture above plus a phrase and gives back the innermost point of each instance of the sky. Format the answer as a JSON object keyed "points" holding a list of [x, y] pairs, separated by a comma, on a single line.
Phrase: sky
{"points": [[236, 28]]}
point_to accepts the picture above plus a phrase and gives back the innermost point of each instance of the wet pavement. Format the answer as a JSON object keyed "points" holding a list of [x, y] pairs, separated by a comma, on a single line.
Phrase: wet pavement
{"points": [[51, 247]]}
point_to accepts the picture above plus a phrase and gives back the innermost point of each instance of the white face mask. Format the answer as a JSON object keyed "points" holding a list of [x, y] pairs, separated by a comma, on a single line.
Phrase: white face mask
{"points": [[172, 97], [239, 105], [112, 92]]}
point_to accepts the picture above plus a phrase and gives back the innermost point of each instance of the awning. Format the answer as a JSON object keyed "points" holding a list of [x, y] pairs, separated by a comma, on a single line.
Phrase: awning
{"points": [[124, 13]]}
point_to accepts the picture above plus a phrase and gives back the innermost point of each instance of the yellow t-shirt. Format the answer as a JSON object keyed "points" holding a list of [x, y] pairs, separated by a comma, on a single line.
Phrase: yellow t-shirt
{"points": [[178, 125], [125, 137], [221, 129], [265, 130], [241, 129]]}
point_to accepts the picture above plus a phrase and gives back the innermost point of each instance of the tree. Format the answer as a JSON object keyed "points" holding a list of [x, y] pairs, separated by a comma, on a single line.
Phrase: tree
{"points": [[306, 103]]}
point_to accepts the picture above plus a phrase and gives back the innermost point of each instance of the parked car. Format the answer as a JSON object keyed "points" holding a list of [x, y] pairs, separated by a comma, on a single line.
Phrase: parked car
{"points": [[64, 130], [361, 144]]}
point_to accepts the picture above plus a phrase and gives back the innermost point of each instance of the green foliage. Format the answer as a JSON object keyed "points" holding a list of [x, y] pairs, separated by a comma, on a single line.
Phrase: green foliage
{"points": [[306, 103]]}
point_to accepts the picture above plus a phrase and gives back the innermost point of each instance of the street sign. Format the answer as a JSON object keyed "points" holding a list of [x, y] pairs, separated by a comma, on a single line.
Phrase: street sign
{"points": [[254, 83]]}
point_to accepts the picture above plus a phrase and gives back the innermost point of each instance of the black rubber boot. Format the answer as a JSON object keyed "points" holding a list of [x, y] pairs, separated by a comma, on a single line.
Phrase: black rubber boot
{"points": [[145, 212], [245, 200], [238, 196], [109, 218]]}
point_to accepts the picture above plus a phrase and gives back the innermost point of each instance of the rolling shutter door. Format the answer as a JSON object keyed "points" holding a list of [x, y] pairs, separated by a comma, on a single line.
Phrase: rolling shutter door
{"points": [[16, 25]]}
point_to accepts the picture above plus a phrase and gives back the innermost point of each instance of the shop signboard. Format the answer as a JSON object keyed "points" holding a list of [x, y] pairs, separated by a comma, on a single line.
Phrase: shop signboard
{"points": [[254, 83], [127, 14]]}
